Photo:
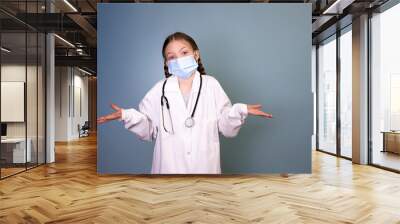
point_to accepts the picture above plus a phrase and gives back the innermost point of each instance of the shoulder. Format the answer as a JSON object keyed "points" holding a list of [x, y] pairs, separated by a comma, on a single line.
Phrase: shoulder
{"points": [[158, 85], [155, 90], [211, 81], [209, 78]]}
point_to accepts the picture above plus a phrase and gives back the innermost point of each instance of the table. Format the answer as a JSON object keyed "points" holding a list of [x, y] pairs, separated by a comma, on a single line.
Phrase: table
{"points": [[16, 147], [391, 141]]}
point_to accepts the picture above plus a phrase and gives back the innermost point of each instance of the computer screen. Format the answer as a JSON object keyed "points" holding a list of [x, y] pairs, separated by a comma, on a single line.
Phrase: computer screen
{"points": [[3, 129]]}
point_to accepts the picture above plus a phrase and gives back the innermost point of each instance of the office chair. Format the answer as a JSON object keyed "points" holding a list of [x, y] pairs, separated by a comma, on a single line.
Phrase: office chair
{"points": [[84, 130]]}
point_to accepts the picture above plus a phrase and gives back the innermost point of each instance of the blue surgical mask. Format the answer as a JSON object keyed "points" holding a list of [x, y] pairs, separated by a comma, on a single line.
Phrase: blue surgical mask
{"points": [[182, 67]]}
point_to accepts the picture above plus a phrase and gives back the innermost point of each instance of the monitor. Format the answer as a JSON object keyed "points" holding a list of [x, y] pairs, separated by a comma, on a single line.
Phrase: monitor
{"points": [[3, 129]]}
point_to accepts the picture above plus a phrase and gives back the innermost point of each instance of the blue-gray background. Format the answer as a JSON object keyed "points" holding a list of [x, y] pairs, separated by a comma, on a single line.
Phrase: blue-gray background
{"points": [[260, 53]]}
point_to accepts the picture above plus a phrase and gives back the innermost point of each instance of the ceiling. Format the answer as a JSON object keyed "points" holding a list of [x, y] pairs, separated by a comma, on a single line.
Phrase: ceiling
{"points": [[76, 22]]}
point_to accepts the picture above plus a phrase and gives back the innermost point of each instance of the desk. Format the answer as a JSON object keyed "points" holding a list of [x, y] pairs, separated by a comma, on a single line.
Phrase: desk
{"points": [[391, 141], [17, 150]]}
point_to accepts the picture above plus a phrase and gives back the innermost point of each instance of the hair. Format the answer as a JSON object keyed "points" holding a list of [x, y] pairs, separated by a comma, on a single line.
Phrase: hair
{"points": [[189, 39]]}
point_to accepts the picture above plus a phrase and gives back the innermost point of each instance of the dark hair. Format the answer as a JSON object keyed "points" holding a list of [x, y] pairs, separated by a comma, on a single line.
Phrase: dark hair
{"points": [[181, 36]]}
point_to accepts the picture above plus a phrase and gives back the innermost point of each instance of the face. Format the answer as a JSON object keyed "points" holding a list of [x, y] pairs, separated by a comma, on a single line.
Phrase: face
{"points": [[179, 48]]}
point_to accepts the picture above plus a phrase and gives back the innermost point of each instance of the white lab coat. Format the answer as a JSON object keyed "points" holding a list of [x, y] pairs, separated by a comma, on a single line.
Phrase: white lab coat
{"points": [[194, 150]]}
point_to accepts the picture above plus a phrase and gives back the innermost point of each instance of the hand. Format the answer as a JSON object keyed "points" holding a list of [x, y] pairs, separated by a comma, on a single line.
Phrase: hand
{"points": [[109, 117], [255, 109]]}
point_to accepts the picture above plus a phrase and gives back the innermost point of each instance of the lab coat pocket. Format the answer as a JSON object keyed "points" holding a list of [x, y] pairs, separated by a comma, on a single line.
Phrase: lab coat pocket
{"points": [[212, 130], [165, 133], [166, 141]]}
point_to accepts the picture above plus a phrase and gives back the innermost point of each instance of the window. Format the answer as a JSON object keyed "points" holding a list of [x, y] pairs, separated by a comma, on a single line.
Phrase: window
{"points": [[346, 92], [385, 88], [327, 95]]}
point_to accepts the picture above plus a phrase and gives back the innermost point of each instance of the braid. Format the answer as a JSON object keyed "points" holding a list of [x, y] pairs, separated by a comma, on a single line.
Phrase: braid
{"points": [[201, 67], [166, 71]]}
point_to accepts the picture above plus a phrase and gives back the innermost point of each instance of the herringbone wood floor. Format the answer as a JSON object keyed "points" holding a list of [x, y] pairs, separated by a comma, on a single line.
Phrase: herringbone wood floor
{"points": [[70, 191]]}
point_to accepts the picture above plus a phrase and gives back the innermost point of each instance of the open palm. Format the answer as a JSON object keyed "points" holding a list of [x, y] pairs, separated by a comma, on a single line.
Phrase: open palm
{"points": [[255, 109], [112, 116]]}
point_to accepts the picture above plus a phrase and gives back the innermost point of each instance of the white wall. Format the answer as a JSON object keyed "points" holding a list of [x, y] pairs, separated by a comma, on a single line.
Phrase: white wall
{"points": [[16, 72], [70, 83], [61, 103], [79, 117], [34, 125]]}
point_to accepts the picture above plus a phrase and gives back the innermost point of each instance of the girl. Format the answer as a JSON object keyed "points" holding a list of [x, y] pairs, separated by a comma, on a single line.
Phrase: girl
{"points": [[184, 113]]}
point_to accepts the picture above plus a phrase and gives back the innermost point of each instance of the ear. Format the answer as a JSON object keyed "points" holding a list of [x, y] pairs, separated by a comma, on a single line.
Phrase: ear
{"points": [[197, 55]]}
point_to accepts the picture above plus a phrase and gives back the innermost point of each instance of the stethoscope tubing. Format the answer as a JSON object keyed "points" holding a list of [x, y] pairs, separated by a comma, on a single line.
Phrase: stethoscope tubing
{"points": [[164, 98]]}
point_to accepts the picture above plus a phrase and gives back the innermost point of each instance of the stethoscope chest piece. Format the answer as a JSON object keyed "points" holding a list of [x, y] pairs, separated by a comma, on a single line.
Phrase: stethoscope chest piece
{"points": [[189, 122]]}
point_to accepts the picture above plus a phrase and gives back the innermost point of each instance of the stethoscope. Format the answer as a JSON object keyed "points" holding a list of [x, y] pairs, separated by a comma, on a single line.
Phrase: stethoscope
{"points": [[189, 122]]}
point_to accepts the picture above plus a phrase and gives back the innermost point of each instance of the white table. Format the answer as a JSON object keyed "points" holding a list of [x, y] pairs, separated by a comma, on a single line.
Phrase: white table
{"points": [[19, 155]]}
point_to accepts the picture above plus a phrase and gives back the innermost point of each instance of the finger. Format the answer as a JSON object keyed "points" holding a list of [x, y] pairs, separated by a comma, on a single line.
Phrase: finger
{"points": [[100, 120], [262, 113], [111, 116], [108, 117], [267, 115], [115, 107], [254, 106]]}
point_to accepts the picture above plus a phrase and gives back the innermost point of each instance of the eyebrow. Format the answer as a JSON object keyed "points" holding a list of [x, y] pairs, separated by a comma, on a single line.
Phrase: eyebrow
{"points": [[179, 50]]}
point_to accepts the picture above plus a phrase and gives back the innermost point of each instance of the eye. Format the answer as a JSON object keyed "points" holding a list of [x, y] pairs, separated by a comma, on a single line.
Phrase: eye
{"points": [[185, 53]]}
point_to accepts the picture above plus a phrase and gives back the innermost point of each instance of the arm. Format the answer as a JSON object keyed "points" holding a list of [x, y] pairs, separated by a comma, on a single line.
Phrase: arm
{"points": [[142, 122], [230, 117]]}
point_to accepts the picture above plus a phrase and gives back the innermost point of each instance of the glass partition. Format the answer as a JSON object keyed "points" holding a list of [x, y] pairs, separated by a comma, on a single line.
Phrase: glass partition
{"points": [[13, 92], [327, 95], [22, 77]]}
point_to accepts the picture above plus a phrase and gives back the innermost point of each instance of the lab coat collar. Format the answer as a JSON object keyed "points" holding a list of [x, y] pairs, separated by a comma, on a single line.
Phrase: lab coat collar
{"points": [[173, 83]]}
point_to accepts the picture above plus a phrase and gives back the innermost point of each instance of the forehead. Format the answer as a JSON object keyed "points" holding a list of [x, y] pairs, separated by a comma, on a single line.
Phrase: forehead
{"points": [[176, 45]]}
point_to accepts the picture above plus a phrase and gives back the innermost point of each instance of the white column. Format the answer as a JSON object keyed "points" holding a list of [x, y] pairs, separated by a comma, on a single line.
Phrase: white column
{"points": [[50, 91], [360, 90]]}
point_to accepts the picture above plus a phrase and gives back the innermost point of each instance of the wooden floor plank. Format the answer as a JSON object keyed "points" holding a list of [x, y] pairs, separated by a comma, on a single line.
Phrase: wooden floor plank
{"points": [[70, 191]]}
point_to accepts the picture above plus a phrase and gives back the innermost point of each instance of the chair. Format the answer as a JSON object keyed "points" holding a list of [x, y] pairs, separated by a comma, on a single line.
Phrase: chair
{"points": [[84, 130]]}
